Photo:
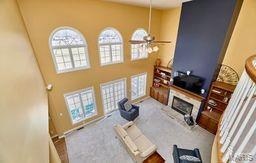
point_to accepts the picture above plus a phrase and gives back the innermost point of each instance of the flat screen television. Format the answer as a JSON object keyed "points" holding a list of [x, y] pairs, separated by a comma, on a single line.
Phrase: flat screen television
{"points": [[189, 82]]}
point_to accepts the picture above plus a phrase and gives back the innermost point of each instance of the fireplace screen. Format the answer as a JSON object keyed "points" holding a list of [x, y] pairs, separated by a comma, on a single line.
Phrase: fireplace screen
{"points": [[182, 106]]}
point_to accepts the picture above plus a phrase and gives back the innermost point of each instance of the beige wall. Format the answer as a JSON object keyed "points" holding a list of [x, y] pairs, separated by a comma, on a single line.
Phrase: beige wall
{"points": [[52, 130], [169, 31], [243, 40], [90, 17], [23, 99]]}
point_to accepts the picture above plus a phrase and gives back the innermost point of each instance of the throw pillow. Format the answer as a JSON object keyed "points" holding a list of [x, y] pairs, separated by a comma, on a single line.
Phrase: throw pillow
{"points": [[127, 106], [190, 158]]}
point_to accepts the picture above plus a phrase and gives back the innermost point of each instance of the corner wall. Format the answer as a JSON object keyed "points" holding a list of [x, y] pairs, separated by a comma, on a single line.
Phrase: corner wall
{"points": [[23, 99]]}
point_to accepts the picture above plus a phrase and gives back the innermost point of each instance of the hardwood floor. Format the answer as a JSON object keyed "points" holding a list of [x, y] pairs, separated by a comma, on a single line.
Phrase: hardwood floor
{"points": [[60, 145], [155, 158]]}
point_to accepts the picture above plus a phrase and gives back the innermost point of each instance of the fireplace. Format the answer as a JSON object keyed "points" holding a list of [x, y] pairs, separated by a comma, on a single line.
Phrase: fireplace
{"points": [[182, 106], [184, 103]]}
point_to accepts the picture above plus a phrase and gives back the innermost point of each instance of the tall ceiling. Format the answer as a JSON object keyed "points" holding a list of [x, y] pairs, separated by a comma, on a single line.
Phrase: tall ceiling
{"points": [[160, 4]]}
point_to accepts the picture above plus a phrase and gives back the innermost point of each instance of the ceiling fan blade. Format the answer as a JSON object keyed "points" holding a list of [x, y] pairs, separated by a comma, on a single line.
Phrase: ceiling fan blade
{"points": [[162, 42], [137, 42]]}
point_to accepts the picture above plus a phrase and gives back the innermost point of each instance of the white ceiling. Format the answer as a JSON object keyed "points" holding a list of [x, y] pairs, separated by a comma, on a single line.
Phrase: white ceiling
{"points": [[160, 4]]}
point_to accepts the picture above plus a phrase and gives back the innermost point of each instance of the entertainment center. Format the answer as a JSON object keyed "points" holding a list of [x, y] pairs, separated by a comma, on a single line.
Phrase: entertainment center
{"points": [[181, 93], [183, 96]]}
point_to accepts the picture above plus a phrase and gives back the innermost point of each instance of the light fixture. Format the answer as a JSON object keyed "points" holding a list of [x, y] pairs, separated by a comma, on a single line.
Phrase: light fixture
{"points": [[155, 48], [49, 87], [149, 50]]}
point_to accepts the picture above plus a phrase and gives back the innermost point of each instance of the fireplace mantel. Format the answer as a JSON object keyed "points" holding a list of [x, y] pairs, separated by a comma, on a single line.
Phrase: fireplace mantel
{"points": [[187, 93]]}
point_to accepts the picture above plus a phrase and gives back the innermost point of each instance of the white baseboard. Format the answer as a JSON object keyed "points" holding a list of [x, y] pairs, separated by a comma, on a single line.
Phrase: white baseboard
{"points": [[54, 136], [73, 129]]}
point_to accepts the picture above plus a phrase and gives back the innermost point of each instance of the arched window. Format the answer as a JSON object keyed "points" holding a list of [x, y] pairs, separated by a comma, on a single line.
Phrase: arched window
{"points": [[110, 47], [69, 50], [139, 51]]}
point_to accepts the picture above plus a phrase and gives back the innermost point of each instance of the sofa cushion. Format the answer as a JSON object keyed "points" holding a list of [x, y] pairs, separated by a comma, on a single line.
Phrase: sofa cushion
{"points": [[143, 143], [127, 106], [133, 132], [190, 158], [130, 144], [121, 103], [119, 129]]}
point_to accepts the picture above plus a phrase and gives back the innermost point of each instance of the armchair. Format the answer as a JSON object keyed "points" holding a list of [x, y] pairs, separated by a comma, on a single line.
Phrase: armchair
{"points": [[128, 115]]}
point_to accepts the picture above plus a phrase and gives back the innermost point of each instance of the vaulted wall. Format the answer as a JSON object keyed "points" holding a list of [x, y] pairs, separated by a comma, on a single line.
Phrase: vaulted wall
{"points": [[90, 17]]}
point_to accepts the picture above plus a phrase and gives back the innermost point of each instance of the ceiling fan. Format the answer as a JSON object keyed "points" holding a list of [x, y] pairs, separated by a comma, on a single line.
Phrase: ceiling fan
{"points": [[149, 40]]}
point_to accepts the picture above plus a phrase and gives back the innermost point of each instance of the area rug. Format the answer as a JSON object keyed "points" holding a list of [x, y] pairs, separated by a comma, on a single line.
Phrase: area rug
{"points": [[97, 142]]}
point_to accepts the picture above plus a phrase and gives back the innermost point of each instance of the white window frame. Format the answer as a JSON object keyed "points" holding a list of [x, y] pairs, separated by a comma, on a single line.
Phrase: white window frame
{"points": [[78, 92], [69, 47], [112, 82], [139, 58], [109, 44], [145, 86]]}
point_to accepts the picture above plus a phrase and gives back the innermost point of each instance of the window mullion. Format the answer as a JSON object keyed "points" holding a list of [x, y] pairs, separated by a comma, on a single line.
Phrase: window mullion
{"points": [[138, 86], [110, 53], [115, 95], [82, 103], [71, 56]]}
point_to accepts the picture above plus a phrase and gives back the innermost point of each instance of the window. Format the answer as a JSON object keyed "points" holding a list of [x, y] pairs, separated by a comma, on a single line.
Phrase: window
{"points": [[69, 50], [112, 92], [81, 104], [139, 51], [110, 47], [138, 85]]}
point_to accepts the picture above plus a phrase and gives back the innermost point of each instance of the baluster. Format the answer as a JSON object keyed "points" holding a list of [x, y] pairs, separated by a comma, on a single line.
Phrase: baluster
{"points": [[235, 111], [238, 134], [238, 115], [245, 141], [230, 135], [234, 97]]}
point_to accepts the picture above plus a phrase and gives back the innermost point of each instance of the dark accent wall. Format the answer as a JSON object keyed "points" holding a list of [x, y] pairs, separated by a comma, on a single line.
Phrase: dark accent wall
{"points": [[204, 32]]}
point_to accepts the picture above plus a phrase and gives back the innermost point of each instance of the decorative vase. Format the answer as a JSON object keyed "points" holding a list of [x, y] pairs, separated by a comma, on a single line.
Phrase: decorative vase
{"points": [[158, 62]]}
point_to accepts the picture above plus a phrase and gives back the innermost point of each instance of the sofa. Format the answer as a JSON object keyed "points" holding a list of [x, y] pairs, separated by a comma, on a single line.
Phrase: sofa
{"points": [[137, 144], [179, 152], [128, 115]]}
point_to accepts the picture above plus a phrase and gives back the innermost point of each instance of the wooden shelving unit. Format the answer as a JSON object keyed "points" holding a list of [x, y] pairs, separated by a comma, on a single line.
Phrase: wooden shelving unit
{"points": [[217, 101], [161, 84]]}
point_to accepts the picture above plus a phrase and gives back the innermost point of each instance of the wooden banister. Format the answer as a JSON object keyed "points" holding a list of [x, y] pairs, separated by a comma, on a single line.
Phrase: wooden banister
{"points": [[219, 145], [250, 68]]}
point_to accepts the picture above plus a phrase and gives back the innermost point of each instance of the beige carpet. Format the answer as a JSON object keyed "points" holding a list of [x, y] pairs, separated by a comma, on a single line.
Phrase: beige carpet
{"points": [[96, 143]]}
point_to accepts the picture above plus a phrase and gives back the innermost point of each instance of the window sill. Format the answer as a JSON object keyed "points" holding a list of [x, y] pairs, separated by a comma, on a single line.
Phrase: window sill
{"points": [[113, 63], [72, 70]]}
